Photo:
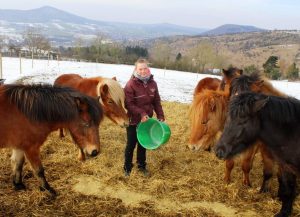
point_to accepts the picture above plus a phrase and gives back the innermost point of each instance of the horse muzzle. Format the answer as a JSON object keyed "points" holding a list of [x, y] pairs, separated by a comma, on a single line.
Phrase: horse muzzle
{"points": [[220, 151]]}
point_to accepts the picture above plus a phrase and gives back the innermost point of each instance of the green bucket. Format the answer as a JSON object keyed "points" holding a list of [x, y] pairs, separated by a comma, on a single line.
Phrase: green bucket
{"points": [[153, 133]]}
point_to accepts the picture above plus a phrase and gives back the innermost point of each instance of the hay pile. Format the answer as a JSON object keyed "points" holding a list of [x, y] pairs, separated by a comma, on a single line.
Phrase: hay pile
{"points": [[182, 182]]}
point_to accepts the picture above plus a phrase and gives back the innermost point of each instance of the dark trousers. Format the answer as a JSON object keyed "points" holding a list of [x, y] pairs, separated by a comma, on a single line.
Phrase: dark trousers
{"points": [[130, 146]]}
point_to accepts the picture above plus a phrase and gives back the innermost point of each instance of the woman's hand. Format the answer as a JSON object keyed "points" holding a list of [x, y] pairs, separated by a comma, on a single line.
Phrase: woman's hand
{"points": [[145, 118]]}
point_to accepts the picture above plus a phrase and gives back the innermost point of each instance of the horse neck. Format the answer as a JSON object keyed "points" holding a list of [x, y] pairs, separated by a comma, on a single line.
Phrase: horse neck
{"points": [[268, 89]]}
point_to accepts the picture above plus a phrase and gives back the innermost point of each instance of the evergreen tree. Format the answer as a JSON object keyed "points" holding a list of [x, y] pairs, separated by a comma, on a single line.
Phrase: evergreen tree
{"points": [[178, 57], [293, 71], [271, 68]]}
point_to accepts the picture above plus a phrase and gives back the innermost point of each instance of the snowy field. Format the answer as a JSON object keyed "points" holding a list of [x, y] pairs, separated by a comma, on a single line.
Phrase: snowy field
{"points": [[173, 85]]}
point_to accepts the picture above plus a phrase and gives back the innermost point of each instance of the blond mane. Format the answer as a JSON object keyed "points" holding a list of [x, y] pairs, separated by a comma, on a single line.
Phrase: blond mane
{"points": [[207, 116], [114, 88]]}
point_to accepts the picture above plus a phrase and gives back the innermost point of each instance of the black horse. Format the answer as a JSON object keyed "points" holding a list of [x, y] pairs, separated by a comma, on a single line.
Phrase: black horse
{"points": [[276, 122]]}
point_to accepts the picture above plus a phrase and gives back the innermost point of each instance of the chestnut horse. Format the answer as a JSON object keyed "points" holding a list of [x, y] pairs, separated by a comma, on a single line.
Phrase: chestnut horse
{"points": [[276, 122], [109, 91], [207, 83], [200, 137], [208, 113], [30, 113]]}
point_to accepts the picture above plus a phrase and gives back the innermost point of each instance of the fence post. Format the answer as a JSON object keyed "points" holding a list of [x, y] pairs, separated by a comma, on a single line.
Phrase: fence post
{"points": [[32, 58], [20, 56], [1, 65]]}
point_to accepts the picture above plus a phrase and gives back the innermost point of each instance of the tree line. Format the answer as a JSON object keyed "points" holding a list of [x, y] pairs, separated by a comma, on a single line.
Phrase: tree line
{"points": [[202, 58]]}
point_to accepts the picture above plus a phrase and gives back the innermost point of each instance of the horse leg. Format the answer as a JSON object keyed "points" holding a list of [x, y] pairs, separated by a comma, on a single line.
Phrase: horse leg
{"points": [[268, 164], [61, 133], [33, 156], [286, 192], [17, 161], [229, 164], [247, 162]]}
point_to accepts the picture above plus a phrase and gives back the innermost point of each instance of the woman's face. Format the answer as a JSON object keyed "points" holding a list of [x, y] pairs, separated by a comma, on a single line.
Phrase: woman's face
{"points": [[142, 69]]}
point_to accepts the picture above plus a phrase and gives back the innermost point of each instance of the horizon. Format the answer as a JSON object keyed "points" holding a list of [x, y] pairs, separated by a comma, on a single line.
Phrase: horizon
{"points": [[269, 14]]}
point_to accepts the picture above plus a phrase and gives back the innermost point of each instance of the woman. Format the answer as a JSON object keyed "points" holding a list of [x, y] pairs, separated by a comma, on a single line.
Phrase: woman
{"points": [[141, 98]]}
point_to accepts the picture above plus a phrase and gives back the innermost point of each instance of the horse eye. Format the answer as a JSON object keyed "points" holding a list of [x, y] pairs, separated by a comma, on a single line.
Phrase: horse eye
{"points": [[204, 122], [86, 124], [110, 102]]}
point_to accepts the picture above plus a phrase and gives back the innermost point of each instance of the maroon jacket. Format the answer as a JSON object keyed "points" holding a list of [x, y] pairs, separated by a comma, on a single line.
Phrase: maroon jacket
{"points": [[141, 99]]}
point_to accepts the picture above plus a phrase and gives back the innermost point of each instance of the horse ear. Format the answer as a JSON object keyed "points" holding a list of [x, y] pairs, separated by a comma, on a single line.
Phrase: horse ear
{"points": [[114, 78], [240, 71], [104, 89], [80, 104], [225, 72], [259, 104]]}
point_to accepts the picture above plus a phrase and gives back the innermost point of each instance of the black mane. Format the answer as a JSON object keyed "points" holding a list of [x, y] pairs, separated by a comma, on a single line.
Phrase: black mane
{"points": [[243, 82], [279, 109], [50, 103]]}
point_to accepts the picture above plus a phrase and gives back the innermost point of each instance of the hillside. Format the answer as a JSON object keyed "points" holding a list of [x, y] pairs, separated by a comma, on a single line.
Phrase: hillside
{"points": [[62, 26], [241, 49], [232, 29]]}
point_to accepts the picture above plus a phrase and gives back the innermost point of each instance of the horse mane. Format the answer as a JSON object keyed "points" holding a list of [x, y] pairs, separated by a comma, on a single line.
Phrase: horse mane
{"points": [[230, 73], [115, 90], [205, 103], [50, 103], [278, 109], [254, 82]]}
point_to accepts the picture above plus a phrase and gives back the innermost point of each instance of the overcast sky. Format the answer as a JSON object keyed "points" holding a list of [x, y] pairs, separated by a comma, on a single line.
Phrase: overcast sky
{"points": [[269, 14]]}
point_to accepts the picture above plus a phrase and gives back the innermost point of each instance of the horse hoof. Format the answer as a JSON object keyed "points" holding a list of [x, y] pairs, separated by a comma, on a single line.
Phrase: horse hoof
{"points": [[50, 190], [19, 186], [264, 190], [191, 147]]}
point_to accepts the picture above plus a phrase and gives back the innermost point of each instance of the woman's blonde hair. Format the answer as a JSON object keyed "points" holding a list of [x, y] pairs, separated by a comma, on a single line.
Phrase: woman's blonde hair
{"points": [[141, 60]]}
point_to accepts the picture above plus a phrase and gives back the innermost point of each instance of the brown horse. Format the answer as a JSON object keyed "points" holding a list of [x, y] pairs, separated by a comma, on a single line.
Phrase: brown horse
{"points": [[30, 113], [207, 83], [109, 91], [256, 83], [200, 136], [207, 115]]}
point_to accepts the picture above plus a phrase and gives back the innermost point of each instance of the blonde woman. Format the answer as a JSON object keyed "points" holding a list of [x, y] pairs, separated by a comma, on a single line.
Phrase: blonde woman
{"points": [[141, 98]]}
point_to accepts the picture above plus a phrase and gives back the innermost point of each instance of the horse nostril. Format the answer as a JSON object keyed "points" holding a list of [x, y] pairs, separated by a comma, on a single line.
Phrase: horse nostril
{"points": [[94, 153], [220, 153]]}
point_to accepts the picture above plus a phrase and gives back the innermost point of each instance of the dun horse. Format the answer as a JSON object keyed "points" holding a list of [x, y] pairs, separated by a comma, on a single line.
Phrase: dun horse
{"points": [[276, 122], [28, 114], [109, 91]]}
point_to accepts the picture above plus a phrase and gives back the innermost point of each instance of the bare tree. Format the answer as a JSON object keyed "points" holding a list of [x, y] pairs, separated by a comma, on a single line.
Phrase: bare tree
{"points": [[161, 53], [2, 41], [98, 43], [35, 41], [202, 55]]}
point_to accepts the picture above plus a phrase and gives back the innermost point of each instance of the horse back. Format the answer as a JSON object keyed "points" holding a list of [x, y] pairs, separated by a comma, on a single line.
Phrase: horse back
{"points": [[207, 83], [17, 131], [85, 85]]}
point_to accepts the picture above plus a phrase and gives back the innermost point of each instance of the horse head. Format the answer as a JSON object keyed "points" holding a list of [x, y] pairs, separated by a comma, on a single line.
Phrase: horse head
{"points": [[112, 97], [228, 76], [242, 125], [85, 128], [207, 116]]}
